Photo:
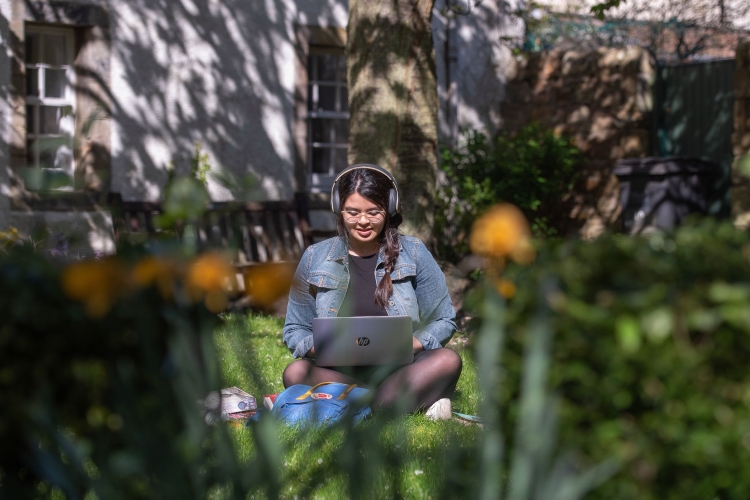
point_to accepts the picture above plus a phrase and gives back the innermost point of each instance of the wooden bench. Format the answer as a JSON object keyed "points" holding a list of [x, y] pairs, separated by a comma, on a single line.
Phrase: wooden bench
{"points": [[256, 232], [253, 233]]}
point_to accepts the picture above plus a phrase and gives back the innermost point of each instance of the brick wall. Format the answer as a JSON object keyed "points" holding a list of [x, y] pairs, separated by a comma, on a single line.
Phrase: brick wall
{"points": [[601, 98], [740, 191]]}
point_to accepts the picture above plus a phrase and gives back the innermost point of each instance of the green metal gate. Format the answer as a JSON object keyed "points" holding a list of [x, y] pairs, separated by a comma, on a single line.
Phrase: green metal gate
{"points": [[694, 114]]}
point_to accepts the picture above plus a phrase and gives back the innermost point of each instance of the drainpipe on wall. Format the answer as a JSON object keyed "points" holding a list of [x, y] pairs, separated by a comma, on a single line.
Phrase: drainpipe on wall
{"points": [[451, 88]]}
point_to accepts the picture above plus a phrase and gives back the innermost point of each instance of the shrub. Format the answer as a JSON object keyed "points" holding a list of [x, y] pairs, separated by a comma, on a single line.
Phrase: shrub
{"points": [[99, 391], [649, 356], [533, 169]]}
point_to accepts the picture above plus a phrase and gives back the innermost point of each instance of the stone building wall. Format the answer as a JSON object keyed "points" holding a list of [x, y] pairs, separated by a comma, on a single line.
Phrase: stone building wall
{"points": [[740, 192], [603, 99]]}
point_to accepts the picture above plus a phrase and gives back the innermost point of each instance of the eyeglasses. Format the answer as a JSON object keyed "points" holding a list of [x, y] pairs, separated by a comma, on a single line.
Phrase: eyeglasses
{"points": [[373, 216]]}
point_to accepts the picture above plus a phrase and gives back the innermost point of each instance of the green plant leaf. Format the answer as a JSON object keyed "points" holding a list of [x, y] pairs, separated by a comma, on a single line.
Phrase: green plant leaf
{"points": [[628, 334]]}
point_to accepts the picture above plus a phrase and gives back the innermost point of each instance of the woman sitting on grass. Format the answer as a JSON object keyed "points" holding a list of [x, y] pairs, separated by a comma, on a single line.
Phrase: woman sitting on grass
{"points": [[377, 272]]}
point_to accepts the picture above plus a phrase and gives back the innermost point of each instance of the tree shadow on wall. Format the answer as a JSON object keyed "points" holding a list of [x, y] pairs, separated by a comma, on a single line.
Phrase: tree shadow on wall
{"points": [[208, 72], [473, 73]]}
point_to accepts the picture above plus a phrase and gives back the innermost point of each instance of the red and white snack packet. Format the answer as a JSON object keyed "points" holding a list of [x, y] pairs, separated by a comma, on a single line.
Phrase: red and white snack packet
{"points": [[269, 400]]}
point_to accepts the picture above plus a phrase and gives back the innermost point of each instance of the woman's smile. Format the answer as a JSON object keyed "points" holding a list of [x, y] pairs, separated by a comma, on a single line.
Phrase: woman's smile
{"points": [[363, 234]]}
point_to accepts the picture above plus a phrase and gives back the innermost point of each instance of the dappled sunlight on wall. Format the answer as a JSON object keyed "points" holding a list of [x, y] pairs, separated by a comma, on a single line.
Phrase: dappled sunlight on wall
{"points": [[473, 50], [740, 191], [216, 73], [5, 109], [600, 98]]}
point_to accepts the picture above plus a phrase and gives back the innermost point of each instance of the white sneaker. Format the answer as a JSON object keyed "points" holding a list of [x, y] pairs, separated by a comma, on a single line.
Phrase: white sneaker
{"points": [[440, 410]]}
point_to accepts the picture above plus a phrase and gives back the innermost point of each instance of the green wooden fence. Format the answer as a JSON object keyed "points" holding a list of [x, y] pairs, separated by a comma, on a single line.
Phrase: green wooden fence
{"points": [[694, 114]]}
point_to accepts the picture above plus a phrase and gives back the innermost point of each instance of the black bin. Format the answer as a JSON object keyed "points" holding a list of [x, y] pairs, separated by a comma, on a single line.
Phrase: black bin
{"points": [[659, 192]]}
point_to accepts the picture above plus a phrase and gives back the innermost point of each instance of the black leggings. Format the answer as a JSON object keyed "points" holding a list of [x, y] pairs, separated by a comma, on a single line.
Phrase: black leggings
{"points": [[432, 375]]}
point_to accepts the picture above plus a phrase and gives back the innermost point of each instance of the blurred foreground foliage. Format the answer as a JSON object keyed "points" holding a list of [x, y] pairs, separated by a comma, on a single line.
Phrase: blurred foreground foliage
{"points": [[104, 363], [96, 395], [643, 342], [103, 367], [649, 356]]}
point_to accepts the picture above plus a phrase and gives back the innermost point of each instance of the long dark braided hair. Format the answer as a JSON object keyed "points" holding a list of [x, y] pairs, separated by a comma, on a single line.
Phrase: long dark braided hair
{"points": [[375, 187]]}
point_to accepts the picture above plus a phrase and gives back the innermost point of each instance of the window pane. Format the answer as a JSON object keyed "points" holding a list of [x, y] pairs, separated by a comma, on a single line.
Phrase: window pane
{"points": [[340, 160], [341, 67], [344, 99], [31, 153], [321, 160], [341, 127], [32, 82], [43, 179], [30, 120], [55, 179], [64, 156], [55, 153], [326, 68], [54, 82], [32, 48], [326, 98], [327, 93], [310, 68], [46, 154], [321, 130], [55, 119], [49, 122], [67, 121], [55, 50], [311, 97]]}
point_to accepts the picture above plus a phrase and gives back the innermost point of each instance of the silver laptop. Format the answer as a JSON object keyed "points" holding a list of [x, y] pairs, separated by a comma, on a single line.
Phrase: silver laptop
{"points": [[363, 341]]}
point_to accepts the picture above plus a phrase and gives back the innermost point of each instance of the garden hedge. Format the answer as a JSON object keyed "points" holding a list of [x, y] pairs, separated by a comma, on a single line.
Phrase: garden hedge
{"points": [[650, 357]]}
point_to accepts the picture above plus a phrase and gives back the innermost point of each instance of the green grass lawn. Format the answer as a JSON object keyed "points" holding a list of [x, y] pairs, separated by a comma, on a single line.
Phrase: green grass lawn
{"points": [[413, 453]]}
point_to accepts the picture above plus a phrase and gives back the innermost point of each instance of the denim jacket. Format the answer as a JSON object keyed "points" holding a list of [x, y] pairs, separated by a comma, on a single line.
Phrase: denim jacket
{"points": [[322, 277]]}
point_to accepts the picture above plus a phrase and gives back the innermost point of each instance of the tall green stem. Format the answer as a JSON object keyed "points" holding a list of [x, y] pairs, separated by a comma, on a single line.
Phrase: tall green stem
{"points": [[489, 353]]}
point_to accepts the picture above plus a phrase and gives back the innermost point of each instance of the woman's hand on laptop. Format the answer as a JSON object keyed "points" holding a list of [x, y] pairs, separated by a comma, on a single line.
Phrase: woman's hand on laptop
{"points": [[416, 345]]}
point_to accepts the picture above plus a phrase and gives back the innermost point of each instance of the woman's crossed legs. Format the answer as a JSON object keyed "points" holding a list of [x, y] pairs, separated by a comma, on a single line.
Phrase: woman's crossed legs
{"points": [[432, 375]]}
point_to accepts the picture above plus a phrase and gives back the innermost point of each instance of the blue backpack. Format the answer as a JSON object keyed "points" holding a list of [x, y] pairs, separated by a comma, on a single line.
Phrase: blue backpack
{"points": [[323, 404]]}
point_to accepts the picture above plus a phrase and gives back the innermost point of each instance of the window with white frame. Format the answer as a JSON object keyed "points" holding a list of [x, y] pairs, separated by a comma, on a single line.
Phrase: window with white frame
{"points": [[50, 107], [328, 118]]}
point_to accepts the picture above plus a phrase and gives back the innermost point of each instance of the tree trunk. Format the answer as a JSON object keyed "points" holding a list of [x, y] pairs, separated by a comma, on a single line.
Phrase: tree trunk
{"points": [[393, 100]]}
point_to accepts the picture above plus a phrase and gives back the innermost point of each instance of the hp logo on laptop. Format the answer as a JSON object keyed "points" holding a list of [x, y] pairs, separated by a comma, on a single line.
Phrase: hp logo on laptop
{"points": [[363, 341]]}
